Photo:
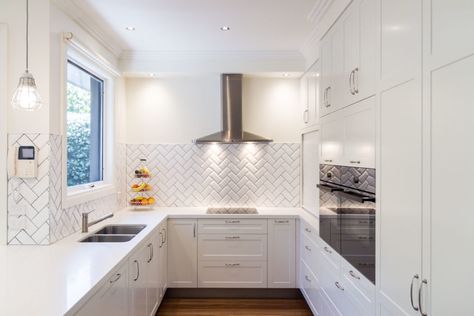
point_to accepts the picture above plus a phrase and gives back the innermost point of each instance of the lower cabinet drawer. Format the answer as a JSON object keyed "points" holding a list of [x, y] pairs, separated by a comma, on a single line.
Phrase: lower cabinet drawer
{"points": [[310, 288], [311, 254], [232, 247], [232, 226], [232, 274]]}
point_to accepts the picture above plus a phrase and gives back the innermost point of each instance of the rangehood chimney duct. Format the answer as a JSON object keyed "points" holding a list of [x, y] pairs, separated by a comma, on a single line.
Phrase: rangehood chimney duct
{"points": [[232, 132]]}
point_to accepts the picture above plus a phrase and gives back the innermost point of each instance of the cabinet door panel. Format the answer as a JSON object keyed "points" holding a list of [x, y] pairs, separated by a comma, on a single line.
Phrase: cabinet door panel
{"points": [[359, 140], [350, 24], [451, 216], [233, 274], [400, 195], [332, 139], [138, 282], [111, 299], [232, 247], [182, 253], [326, 73], [310, 172], [281, 253], [366, 74]]}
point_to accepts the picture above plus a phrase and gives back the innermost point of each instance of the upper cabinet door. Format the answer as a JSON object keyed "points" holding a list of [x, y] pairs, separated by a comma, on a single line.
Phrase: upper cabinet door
{"points": [[351, 29], [304, 94], [359, 144], [313, 94], [326, 73], [332, 139], [365, 74]]}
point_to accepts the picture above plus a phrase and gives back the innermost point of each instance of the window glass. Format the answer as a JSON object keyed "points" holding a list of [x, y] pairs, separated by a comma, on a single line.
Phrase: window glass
{"points": [[85, 94]]}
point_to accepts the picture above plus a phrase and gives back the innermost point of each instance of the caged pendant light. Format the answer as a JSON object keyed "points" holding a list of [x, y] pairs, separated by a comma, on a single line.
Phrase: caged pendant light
{"points": [[26, 96]]}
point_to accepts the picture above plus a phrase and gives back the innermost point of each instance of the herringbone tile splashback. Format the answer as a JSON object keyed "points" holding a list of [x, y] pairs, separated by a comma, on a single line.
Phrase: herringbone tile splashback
{"points": [[220, 175]]}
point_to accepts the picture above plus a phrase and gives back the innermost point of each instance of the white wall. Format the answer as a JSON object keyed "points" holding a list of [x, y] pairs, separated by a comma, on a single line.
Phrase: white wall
{"points": [[12, 12], [180, 108]]}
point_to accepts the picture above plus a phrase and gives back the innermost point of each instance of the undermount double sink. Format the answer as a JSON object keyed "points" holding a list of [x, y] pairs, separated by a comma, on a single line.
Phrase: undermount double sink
{"points": [[114, 233]]}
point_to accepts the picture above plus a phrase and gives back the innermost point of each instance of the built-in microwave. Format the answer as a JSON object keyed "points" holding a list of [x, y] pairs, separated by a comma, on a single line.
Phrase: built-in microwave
{"points": [[347, 214]]}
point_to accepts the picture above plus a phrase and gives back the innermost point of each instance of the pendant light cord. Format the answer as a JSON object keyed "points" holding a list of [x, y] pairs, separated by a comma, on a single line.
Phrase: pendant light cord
{"points": [[27, 20]]}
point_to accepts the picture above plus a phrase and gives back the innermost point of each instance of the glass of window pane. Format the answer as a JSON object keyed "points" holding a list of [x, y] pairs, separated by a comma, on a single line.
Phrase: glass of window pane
{"points": [[84, 95]]}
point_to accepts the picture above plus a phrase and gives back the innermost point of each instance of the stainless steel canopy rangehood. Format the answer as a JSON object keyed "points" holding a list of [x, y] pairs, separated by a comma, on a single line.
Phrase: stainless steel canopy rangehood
{"points": [[232, 132]]}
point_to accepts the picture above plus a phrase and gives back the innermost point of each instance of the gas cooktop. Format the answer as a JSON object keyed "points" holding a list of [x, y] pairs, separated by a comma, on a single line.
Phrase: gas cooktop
{"points": [[232, 210]]}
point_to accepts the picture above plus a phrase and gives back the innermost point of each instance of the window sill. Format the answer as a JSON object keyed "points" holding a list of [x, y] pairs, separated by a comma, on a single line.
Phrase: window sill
{"points": [[87, 194]]}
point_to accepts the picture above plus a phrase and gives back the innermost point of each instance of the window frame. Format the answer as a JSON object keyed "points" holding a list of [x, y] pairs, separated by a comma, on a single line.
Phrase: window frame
{"points": [[79, 194]]}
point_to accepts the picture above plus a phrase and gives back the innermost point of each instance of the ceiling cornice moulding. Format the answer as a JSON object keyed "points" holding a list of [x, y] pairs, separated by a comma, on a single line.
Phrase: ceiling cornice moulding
{"points": [[78, 15]]}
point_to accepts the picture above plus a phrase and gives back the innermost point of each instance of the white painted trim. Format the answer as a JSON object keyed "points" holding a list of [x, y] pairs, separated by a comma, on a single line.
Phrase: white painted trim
{"points": [[85, 59], [319, 10], [72, 10], [3, 133], [211, 61]]}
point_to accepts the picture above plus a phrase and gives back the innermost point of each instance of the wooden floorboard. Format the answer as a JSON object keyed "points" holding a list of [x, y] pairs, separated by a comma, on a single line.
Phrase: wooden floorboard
{"points": [[231, 307]]}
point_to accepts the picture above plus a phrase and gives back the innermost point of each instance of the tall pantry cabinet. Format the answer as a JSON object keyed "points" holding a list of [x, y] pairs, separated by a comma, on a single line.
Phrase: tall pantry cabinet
{"points": [[424, 158]]}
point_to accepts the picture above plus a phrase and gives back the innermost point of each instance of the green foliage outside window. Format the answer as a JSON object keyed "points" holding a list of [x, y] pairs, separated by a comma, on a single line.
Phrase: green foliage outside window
{"points": [[78, 135]]}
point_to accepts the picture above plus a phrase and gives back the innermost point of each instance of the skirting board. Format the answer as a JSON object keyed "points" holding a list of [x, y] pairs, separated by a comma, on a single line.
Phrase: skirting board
{"points": [[233, 293]]}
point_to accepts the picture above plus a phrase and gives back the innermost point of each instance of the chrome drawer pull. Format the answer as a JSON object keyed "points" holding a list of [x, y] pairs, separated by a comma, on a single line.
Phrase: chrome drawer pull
{"points": [[355, 276], [307, 248], [307, 230], [339, 286], [232, 237], [328, 160], [415, 277], [281, 222], [150, 248], [327, 250], [138, 270], [117, 277], [232, 222], [307, 278], [232, 264], [420, 297], [355, 161]]}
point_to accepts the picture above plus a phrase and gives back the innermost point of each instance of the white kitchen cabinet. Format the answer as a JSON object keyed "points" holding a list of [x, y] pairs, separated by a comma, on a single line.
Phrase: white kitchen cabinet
{"points": [[281, 253], [139, 281], [400, 159], [359, 134], [331, 92], [232, 274], [182, 253], [359, 25], [112, 297], [163, 260], [240, 247], [310, 171], [152, 273], [310, 89], [332, 139]]}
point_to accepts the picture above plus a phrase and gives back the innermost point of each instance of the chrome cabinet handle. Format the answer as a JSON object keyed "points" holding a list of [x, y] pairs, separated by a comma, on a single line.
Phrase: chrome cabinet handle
{"points": [[165, 235], [420, 297], [281, 221], [355, 161], [356, 81], [328, 160], [324, 96], [232, 237], [307, 230], [150, 248], [307, 278], [138, 270], [117, 277], [232, 264], [415, 277], [307, 247], [305, 116], [232, 222], [351, 80], [194, 230], [327, 250], [328, 104], [161, 239], [339, 286], [355, 276]]}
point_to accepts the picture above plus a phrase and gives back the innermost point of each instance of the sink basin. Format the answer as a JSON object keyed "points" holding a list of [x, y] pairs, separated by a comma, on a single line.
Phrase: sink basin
{"points": [[120, 230], [108, 238]]}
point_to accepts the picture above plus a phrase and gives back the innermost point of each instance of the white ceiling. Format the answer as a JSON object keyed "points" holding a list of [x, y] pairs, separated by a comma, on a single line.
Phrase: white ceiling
{"points": [[193, 25]]}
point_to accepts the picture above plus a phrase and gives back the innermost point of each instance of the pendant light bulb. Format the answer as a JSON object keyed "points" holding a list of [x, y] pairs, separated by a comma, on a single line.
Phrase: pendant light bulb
{"points": [[26, 96]]}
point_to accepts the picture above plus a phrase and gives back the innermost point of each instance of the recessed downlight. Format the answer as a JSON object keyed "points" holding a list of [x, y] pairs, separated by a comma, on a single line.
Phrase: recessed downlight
{"points": [[225, 28], [286, 74], [130, 28]]}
